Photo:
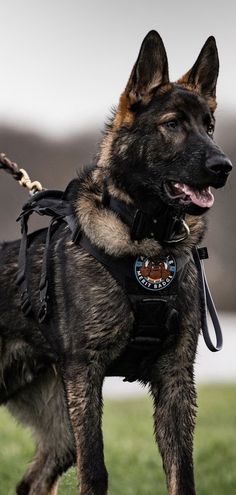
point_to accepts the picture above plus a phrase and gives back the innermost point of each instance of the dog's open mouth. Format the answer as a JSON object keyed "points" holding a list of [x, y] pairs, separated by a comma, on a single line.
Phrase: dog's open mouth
{"points": [[186, 194]]}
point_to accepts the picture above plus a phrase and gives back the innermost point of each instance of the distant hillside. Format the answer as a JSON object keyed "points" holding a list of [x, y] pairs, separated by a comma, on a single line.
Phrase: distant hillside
{"points": [[54, 163]]}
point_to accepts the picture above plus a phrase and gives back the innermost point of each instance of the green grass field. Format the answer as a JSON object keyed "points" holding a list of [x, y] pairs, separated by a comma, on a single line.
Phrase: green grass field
{"points": [[132, 459]]}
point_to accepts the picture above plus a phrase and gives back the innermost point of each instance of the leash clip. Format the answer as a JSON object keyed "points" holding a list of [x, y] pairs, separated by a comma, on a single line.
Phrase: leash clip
{"points": [[25, 181], [207, 303]]}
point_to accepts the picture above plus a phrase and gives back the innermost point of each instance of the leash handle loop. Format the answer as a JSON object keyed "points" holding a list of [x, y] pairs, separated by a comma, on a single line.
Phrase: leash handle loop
{"points": [[207, 304], [214, 317]]}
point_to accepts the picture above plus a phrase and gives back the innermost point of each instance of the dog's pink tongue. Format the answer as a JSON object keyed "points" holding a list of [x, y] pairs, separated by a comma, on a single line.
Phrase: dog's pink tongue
{"points": [[203, 198]]}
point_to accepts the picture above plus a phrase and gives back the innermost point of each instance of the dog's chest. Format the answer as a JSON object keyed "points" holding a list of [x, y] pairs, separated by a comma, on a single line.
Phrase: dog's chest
{"points": [[152, 286]]}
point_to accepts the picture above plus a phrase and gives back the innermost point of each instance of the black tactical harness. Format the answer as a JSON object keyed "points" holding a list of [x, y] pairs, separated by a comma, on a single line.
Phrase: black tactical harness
{"points": [[150, 303]]}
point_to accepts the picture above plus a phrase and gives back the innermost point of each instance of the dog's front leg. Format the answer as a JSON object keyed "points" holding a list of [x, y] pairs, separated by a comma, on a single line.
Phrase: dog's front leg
{"points": [[83, 378], [174, 420]]}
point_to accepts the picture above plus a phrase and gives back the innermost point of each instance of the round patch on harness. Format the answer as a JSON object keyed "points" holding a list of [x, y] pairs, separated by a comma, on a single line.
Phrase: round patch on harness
{"points": [[154, 273]]}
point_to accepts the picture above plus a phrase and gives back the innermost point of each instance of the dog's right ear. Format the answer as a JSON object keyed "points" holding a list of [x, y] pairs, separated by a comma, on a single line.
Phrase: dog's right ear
{"points": [[149, 72]]}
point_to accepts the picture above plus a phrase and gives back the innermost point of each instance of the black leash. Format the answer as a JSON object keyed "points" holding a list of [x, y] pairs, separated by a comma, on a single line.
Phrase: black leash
{"points": [[207, 303], [10, 167]]}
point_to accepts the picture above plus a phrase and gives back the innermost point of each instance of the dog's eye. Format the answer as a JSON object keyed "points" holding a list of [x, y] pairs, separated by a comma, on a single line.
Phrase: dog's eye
{"points": [[210, 129], [172, 124]]}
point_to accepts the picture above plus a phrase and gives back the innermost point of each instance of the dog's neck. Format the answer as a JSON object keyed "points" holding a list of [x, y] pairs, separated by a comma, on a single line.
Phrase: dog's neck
{"points": [[164, 224], [107, 228]]}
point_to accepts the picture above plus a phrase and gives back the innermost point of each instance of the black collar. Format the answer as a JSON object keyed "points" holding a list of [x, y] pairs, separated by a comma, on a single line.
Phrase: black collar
{"points": [[166, 226]]}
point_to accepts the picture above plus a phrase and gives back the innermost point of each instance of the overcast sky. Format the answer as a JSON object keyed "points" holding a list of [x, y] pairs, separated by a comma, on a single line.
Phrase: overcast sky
{"points": [[65, 62]]}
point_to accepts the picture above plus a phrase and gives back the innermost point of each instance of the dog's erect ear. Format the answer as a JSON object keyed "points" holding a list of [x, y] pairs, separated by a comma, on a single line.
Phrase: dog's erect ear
{"points": [[203, 75], [149, 72]]}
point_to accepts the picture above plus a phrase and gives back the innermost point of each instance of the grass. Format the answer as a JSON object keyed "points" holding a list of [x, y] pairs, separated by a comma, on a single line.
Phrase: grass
{"points": [[131, 455]]}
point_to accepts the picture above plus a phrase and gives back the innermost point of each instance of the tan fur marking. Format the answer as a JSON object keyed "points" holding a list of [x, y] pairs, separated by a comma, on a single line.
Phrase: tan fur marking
{"points": [[165, 88], [98, 176], [54, 489], [105, 150], [196, 226], [117, 193], [167, 116], [124, 114], [172, 489], [183, 81], [106, 230]]}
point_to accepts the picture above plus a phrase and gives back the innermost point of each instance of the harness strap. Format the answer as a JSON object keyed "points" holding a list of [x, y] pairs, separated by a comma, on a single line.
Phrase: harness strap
{"points": [[43, 285], [121, 268], [49, 203], [21, 278]]}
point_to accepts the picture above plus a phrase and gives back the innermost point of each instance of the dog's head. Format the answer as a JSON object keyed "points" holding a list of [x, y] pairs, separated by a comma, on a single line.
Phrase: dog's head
{"points": [[160, 143]]}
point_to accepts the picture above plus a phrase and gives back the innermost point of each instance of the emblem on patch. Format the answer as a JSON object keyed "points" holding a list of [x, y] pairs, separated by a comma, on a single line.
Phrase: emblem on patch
{"points": [[153, 273]]}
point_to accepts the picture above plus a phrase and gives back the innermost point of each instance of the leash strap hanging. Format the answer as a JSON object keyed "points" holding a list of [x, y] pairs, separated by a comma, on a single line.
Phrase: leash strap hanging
{"points": [[207, 303], [43, 285]]}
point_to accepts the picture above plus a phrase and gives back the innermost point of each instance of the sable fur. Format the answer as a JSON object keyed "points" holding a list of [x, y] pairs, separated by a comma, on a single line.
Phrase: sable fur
{"points": [[51, 375]]}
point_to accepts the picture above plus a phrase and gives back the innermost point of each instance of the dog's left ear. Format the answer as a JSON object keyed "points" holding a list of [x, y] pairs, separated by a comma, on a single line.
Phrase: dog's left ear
{"points": [[203, 75], [149, 72]]}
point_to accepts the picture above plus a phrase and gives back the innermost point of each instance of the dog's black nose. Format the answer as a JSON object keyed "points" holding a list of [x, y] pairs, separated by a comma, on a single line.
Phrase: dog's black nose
{"points": [[220, 165]]}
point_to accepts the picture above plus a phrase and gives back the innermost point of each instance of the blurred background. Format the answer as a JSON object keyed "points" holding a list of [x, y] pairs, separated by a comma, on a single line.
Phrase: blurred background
{"points": [[63, 66]]}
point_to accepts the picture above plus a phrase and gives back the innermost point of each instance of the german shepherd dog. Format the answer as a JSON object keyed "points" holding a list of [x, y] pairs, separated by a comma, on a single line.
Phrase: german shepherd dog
{"points": [[157, 149]]}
